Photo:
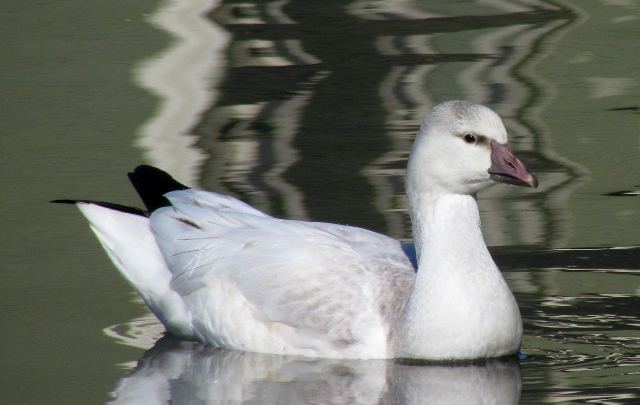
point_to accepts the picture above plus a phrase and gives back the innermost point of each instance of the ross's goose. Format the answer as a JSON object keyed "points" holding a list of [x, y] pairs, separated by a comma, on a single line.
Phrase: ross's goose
{"points": [[216, 270]]}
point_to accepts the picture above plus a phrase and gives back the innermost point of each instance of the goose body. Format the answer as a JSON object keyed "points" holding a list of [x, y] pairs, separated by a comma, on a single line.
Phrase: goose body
{"points": [[215, 270]]}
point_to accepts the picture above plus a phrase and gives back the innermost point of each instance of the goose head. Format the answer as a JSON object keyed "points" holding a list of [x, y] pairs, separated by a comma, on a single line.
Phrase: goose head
{"points": [[462, 148]]}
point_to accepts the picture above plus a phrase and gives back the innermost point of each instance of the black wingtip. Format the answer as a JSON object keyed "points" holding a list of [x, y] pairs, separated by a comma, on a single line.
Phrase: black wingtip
{"points": [[152, 184], [65, 201], [117, 207]]}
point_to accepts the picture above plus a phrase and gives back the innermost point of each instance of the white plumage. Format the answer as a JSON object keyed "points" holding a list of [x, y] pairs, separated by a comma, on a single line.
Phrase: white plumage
{"points": [[216, 270]]}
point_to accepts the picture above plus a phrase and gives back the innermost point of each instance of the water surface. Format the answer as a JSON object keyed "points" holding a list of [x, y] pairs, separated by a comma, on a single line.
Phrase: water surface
{"points": [[307, 110]]}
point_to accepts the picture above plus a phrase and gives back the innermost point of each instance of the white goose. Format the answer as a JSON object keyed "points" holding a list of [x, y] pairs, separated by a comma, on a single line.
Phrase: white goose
{"points": [[216, 270]]}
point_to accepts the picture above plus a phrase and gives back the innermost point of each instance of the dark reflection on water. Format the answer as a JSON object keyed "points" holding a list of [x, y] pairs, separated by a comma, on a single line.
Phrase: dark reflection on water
{"points": [[184, 372], [582, 323]]}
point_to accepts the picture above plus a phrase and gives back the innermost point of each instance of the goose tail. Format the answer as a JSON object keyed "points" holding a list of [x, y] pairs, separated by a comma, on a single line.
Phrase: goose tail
{"points": [[125, 235]]}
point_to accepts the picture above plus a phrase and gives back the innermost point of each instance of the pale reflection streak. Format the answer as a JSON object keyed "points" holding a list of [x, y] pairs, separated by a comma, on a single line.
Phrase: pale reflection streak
{"points": [[187, 372], [254, 13], [549, 213], [404, 98], [235, 150], [239, 155], [494, 82], [287, 127], [142, 332], [183, 77], [387, 173], [257, 52]]}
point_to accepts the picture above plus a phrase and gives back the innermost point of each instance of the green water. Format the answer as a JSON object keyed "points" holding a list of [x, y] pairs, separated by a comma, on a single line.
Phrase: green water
{"points": [[307, 111]]}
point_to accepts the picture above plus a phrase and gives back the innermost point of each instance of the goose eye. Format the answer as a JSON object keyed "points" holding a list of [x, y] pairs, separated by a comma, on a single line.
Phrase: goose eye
{"points": [[469, 138]]}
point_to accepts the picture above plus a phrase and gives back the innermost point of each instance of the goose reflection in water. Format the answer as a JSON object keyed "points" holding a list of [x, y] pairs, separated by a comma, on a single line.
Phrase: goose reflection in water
{"points": [[182, 372]]}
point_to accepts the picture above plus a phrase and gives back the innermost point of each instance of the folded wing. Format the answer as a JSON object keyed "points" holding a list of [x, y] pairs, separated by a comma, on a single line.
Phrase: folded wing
{"points": [[250, 280]]}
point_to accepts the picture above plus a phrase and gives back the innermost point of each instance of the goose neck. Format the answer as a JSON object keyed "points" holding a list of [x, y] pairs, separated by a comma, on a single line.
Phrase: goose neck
{"points": [[445, 222], [459, 306]]}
